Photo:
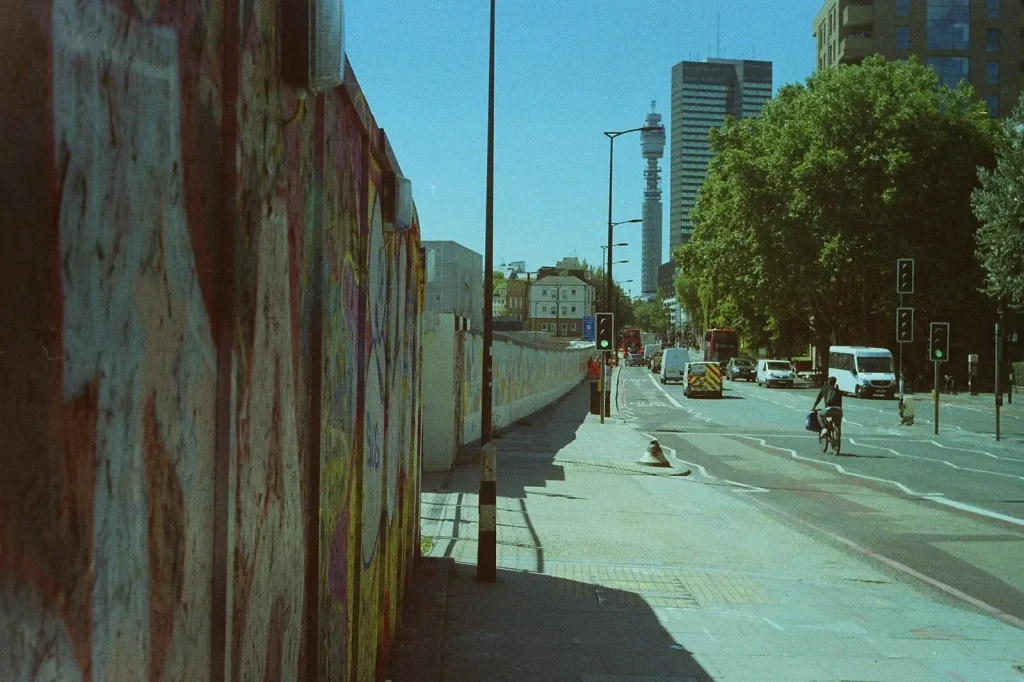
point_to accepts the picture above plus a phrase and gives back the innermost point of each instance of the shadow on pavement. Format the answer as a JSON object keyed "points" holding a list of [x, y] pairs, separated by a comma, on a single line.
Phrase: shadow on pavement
{"points": [[531, 626], [526, 450]]}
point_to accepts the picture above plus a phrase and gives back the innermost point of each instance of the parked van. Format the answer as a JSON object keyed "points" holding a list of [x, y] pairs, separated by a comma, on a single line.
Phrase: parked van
{"points": [[673, 364], [862, 371], [703, 378], [775, 373]]}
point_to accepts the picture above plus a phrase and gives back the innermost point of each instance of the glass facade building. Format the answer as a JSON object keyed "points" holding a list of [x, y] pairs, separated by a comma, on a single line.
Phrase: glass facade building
{"points": [[703, 94]]}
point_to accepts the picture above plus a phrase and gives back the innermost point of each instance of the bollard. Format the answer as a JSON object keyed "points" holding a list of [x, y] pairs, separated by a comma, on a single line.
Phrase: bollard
{"points": [[487, 530]]}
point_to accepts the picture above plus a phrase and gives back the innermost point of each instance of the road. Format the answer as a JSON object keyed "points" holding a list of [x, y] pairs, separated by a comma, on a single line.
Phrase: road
{"points": [[947, 510]]}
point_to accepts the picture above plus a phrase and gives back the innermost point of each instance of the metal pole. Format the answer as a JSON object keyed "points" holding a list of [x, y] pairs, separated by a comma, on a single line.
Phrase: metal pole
{"points": [[937, 394], [999, 361], [487, 545], [608, 275]]}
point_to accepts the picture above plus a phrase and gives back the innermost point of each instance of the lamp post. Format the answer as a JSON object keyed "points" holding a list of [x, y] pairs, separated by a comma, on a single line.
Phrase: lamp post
{"points": [[487, 540]]}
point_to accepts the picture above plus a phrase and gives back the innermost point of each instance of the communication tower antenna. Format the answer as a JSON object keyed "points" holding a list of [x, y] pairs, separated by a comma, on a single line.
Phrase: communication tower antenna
{"points": [[718, 35]]}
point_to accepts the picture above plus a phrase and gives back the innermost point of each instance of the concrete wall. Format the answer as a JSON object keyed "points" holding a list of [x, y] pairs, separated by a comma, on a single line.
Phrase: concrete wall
{"points": [[526, 377], [210, 407]]}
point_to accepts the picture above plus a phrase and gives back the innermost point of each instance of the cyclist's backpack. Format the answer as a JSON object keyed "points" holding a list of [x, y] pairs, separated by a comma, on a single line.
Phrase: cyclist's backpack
{"points": [[812, 422]]}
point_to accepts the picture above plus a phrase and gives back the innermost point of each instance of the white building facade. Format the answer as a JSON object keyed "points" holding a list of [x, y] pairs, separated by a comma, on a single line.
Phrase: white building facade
{"points": [[558, 305]]}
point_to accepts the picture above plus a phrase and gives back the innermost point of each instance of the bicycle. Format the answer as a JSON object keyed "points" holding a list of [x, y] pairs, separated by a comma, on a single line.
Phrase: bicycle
{"points": [[831, 436]]}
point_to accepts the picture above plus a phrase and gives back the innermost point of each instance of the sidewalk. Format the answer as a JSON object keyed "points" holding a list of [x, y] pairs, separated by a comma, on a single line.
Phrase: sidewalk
{"points": [[609, 570]]}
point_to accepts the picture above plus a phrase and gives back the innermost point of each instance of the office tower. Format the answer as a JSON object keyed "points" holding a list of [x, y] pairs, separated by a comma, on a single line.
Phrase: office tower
{"points": [[703, 94]]}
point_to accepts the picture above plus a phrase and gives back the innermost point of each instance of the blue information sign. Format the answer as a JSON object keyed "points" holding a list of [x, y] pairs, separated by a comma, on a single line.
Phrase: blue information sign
{"points": [[589, 329]]}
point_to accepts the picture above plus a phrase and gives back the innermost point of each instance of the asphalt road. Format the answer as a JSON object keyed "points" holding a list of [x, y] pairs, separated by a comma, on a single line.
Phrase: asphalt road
{"points": [[945, 511]]}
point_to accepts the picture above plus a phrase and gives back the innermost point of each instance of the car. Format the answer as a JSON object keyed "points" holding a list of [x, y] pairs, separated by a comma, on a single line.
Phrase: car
{"points": [[741, 368], [635, 360], [775, 373]]}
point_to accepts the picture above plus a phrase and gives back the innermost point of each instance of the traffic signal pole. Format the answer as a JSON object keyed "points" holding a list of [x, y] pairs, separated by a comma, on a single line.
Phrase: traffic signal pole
{"points": [[937, 394], [999, 361]]}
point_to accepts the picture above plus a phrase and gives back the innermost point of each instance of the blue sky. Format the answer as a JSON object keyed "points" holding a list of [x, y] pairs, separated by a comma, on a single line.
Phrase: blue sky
{"points": [[566, 70]]}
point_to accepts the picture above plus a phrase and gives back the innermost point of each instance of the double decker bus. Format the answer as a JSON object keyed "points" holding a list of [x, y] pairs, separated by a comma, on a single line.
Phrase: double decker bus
{"points": [[721, 345], [631, 340]]}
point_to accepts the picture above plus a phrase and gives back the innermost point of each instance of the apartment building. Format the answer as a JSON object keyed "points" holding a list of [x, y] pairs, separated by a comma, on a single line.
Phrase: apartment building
{"points": [[974, 40]]}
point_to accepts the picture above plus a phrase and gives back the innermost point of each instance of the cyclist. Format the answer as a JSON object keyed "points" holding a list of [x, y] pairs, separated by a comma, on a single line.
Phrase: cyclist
{"points": [[833, 399]]}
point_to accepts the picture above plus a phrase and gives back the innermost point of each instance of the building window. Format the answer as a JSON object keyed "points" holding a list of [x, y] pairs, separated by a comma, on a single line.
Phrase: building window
{"points": [[992, 6], [573, 309], [903, 8], [564, 311], [437, 298], [543, 308], [564, 327], [572, 292], [949, 25], [992, 101], [902, 37], [543, 326], [573, 326], [543, 292], [992, 40], [992, 73], [951, 70]]}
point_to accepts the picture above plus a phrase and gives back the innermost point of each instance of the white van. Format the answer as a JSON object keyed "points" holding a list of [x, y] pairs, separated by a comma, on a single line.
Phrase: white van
{"points": [[862, 371], [775, 373], [673, 364], [649, 351]]}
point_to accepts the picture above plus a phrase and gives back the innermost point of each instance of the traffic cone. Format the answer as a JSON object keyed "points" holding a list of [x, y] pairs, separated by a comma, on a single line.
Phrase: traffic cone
{"points": [[654, 456]]}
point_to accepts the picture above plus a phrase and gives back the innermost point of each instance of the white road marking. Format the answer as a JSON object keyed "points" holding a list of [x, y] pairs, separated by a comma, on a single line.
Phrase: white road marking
{"points": [[937, 461], [838, 467], [977, 510], [948, 589], [692, 412], [773, 623]]}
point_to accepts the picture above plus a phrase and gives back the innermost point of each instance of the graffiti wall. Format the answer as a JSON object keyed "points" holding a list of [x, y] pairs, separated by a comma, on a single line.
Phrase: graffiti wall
{"points": [[526, 377], [211, 411]]}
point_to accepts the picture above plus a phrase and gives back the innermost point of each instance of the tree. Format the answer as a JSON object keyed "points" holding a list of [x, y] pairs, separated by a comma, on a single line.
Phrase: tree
{"points": [[805, 210], [998, 206], [651, 316], [623, 306]]}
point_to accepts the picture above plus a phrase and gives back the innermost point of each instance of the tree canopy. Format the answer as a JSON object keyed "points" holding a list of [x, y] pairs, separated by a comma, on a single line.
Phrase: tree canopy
{"points": [[999, 205], [805, 210]]}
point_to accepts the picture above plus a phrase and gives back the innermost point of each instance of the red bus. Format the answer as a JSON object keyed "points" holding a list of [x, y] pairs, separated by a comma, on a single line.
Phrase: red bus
{"points": [[721, 345], [631, 342]]}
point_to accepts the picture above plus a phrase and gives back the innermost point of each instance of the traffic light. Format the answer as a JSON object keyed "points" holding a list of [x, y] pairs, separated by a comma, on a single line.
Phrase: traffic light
{"points": [[938, 333], [905, 325], [605, 331], [904, 275]]}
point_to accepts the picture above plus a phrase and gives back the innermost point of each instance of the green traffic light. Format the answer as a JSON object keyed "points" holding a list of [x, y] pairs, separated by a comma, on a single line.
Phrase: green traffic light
{"points": [[938, 353]]}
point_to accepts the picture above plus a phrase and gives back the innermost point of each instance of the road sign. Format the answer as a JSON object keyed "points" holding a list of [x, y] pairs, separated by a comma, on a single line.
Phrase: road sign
{"points": [[605, 331], [589, 328], [904, 275], [938, 334], [905, 325]]}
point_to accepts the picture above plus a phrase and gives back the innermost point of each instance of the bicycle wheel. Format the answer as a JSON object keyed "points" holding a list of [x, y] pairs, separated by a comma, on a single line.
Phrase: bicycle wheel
{"points": [[823, 442], [836, 443]]}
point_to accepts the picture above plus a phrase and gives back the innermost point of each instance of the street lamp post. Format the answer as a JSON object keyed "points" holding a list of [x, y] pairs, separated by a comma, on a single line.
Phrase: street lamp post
{"points": [[487, 541]]}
